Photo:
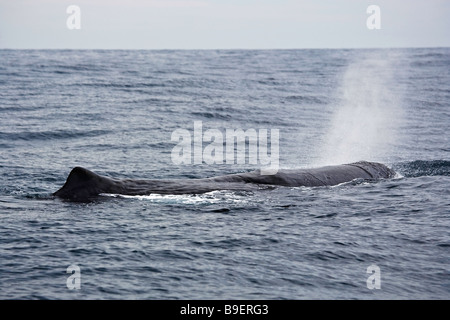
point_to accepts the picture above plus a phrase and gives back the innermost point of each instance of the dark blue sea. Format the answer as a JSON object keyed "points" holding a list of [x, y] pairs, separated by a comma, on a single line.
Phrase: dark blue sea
{"points": [[114, 113]]}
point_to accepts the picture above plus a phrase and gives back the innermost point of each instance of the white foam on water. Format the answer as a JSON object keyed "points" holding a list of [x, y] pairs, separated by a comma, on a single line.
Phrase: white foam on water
{"points": [[205, 198]]}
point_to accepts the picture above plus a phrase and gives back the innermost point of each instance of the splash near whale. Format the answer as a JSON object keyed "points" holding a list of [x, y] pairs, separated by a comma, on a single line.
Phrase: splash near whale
{"points": [[84, 185]]}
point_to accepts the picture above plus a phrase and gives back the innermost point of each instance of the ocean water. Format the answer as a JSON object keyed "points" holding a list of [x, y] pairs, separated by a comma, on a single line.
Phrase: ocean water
{"points": [[114, 112]]}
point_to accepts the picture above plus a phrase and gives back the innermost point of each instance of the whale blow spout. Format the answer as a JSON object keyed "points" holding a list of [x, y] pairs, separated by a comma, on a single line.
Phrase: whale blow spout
{"points": [[84, 185]]}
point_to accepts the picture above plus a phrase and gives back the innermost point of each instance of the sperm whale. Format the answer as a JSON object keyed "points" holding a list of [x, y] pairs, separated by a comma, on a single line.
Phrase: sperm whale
{"points": [[84, 185]]}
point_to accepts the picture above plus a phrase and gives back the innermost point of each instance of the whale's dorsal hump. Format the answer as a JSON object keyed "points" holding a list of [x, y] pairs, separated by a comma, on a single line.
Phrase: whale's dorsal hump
{"points": [[80, 174], [81, 184]]}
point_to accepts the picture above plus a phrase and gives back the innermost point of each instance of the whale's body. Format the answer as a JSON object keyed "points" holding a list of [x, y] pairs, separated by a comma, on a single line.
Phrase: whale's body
{"points": [[83, 185]]}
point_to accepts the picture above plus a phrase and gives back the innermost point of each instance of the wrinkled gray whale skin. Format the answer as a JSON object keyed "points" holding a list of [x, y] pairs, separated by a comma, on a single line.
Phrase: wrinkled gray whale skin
{"points": [[84, 185]]}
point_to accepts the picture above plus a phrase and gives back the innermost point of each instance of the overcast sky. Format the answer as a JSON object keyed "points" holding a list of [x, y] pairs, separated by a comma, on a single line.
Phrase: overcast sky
{"points": [[217, 24]]}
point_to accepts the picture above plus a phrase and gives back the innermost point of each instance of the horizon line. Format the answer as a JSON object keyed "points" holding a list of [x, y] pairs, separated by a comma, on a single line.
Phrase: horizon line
{"points": [[235, 48]]}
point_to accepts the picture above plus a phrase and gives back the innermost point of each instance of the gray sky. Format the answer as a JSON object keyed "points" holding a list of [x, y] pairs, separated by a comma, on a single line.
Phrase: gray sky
{"points": [[217, 24]]}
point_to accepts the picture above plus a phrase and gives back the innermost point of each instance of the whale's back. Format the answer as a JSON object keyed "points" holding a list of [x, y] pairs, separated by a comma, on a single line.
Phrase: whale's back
{"points": [[83, 184]]}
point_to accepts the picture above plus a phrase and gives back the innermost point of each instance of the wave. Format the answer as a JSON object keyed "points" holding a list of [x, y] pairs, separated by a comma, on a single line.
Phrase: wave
{"points": [[48, 135], [308, 99], [212, 115], [420, 168], [62, 68], [127, 86], [431, 54]]}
